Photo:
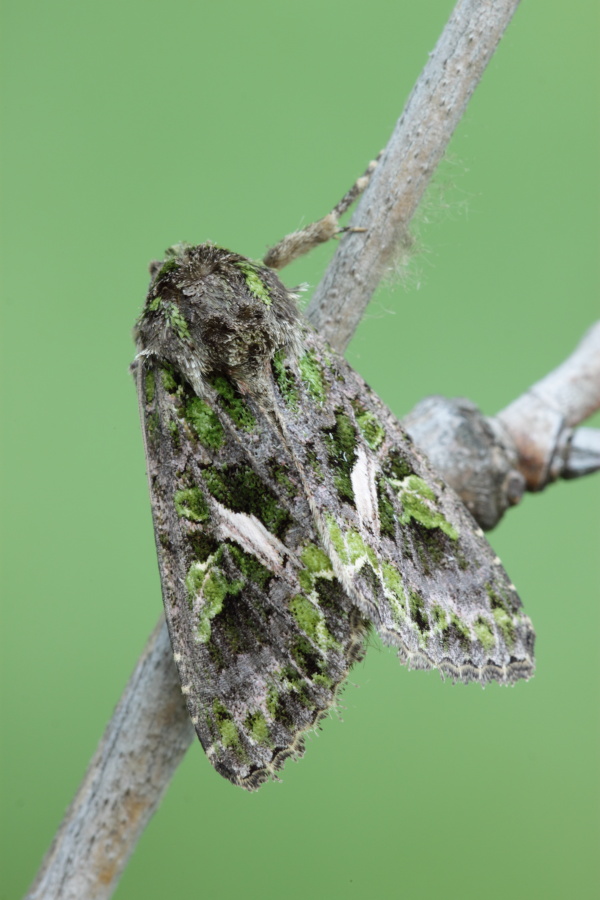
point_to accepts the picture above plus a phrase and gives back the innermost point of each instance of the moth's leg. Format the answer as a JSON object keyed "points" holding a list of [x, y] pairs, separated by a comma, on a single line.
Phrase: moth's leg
{"points": [[300, 242]]}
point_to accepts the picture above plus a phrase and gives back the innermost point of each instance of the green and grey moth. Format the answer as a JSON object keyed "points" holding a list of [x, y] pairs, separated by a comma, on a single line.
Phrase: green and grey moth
{"points": [[292, 514]]}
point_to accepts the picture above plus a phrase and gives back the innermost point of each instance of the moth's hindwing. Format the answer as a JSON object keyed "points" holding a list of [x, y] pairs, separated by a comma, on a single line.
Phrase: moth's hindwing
{"points": [[263, 633], [401, 542]]}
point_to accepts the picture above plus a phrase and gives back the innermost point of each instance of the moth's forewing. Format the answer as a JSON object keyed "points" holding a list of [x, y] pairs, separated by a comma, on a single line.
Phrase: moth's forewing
{"points": [[401, 542], [262, 631]]}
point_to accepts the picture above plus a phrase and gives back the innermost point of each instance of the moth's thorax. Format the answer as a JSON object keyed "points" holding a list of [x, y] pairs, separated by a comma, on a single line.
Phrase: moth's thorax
{"points": [[212, 311]]}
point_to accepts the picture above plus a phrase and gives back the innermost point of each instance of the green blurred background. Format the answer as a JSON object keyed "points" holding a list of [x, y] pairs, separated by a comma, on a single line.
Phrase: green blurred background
{"points": [[130, 125]]}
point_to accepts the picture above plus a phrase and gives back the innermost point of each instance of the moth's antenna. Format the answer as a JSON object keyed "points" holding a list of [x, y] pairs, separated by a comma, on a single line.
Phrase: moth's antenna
{"points": [[300, 242]]}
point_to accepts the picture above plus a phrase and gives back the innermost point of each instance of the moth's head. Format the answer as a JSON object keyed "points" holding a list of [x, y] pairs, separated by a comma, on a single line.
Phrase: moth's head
{"points": [[212, 311]]}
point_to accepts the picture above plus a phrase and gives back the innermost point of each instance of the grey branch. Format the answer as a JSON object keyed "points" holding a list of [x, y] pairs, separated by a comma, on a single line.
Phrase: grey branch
{"points": [[140, 750], [491, 462], [150, 731], [541, 421], [419, 141]]}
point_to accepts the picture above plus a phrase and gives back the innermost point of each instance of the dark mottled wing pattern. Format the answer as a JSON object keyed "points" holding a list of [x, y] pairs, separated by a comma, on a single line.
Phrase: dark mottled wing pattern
{"points": [[290, 511], [401, 542], [262, 631]]}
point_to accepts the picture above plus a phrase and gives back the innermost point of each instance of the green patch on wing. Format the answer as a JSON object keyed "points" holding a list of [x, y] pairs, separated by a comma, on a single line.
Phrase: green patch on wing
{"points": [[256, 725], [153, 426], [168, 380], [253, 280], [419, 503], [506, 626], [417, 611], [312, 622], [174, 432], [285, 380], [484, 633], [209, 583], [341, 449], [190, 503], [357, 549], [315, 559], [370, 426], [502, 614], [230, 737], [250, 567], [273, 703], [337, 538], [354, 551], [176, 320], [168, 266], [233, 404], [394, 590], [149, 386], [316, 565], [205, 423], [438, 615], [292, 679], [457, 631], [311, 373]]}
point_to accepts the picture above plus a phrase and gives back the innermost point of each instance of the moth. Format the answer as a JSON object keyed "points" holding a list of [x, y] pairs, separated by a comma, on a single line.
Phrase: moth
{"points": [[292, 514]]}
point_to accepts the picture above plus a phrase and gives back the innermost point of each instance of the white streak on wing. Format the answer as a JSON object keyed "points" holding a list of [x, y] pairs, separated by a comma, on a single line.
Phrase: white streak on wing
{"points": [[251, 535], [365, 494]]}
